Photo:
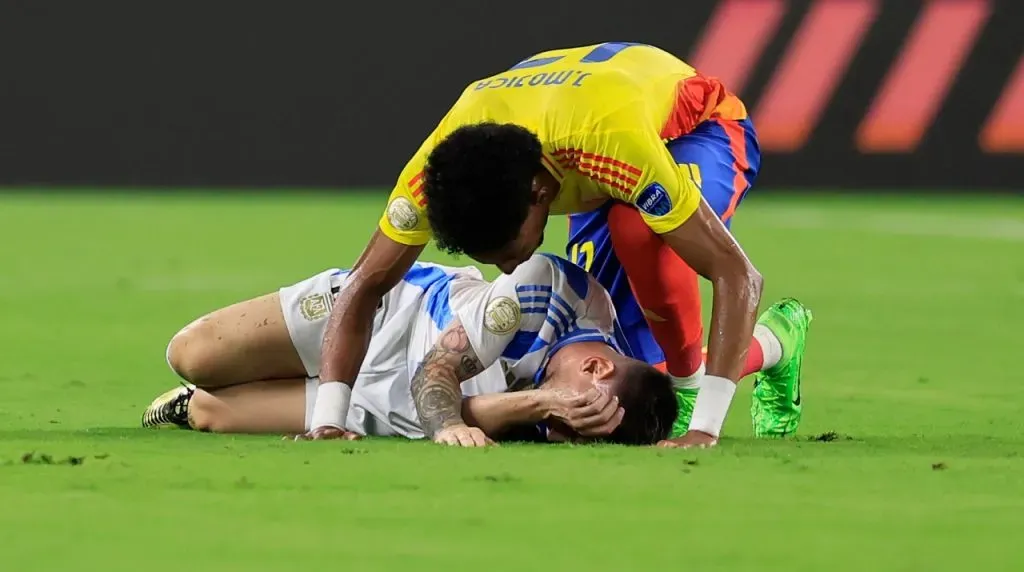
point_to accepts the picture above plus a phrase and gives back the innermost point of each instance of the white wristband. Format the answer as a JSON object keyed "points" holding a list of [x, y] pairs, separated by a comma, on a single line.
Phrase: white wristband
{"points": [[331, 406], [712, 404]]}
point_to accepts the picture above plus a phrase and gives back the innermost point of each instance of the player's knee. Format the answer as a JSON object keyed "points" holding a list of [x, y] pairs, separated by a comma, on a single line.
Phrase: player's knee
{"points": [[192, 354]]}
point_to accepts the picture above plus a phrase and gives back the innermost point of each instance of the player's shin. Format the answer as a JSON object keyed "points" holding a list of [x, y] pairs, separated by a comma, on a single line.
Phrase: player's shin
{"points": [[668, 291], [276, 407], [665, 287]]}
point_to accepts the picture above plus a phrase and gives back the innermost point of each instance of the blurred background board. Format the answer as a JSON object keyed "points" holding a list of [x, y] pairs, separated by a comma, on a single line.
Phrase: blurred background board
{"points": [[852, 93]]}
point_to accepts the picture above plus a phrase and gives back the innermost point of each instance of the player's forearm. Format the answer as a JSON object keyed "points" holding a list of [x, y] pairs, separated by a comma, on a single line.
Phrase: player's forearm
{"points": [[496, 413], [343, 350], [438, 399], [348, 333], [380, 267], [436, 385], [703, 242], [737, 293]]}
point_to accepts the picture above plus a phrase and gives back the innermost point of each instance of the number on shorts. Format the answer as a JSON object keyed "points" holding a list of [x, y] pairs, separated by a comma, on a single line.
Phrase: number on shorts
{"points": [[583, 254]]}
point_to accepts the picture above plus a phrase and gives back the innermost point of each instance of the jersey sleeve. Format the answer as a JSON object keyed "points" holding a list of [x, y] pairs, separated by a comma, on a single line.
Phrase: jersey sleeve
{"points": [[500, 315], [634, 166], [405, 218]]}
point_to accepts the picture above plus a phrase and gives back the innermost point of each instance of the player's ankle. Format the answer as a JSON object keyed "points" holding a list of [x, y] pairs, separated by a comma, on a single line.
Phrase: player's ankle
{"points": [[204, 413], [688, 382], [771, 346]]}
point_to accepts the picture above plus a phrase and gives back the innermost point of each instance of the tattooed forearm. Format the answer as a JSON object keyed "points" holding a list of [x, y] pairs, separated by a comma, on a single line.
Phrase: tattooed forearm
{"points": [[437, 403], [436, 385]]}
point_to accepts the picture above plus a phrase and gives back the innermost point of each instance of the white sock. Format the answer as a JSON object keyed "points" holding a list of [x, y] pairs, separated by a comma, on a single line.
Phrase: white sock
{"points": [[690, 381], [770, 346]]}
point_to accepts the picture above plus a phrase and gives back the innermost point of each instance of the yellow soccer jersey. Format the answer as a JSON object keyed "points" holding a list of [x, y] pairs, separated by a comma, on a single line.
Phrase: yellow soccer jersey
{"points": [[602, 114]]}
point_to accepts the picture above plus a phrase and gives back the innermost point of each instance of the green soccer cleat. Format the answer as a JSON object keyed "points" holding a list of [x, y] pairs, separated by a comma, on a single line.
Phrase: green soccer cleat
{"points": [[776, 407], [170, 409], [686, 398]]}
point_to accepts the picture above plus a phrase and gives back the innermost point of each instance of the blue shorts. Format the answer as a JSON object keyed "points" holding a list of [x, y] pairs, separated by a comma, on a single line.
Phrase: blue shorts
{"points": [[724, 181]]}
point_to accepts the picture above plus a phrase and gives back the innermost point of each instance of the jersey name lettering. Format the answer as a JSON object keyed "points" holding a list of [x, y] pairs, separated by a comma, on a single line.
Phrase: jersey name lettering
{"points": [[534, 80]]}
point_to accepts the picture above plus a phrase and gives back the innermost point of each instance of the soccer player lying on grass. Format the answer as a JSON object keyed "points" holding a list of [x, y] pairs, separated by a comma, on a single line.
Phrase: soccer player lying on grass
{"points": [[548, 324], [665, 156]]}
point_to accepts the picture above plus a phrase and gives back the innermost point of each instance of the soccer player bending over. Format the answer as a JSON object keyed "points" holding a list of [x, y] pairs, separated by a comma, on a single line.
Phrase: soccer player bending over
{"points": [[440, 335], [652, 159]]}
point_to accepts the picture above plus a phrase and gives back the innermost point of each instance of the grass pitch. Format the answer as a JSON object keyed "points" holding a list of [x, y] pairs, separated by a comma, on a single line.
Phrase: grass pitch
{"points": [[914, 363]]}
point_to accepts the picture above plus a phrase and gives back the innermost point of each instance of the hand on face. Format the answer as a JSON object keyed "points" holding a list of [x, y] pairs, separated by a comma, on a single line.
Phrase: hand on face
{"points": [[593, 413]]}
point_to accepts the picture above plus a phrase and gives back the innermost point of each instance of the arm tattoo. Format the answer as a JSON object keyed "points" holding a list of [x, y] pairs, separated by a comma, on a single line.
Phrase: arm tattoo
{"points": [[435, 386]]}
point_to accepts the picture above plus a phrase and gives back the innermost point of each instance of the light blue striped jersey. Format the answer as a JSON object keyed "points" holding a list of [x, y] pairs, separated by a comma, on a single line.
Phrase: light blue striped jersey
{"points": [[514, 324], [525, 317]]}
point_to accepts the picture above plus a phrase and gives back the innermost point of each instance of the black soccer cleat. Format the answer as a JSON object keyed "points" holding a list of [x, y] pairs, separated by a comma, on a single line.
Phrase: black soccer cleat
{"points": [[170, 409]]}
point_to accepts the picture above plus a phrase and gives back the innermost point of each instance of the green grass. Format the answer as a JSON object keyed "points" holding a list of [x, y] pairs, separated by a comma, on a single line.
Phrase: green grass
{"points": [[914, 359]]}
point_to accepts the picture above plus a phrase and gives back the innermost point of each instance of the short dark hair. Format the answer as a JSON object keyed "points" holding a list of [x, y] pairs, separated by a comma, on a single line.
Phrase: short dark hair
{"points": [[650, 403], [478, 186]]}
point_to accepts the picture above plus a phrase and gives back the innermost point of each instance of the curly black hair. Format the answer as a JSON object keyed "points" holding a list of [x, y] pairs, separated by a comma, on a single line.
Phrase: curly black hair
{"points": [[650, 403], [478, 186]]}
